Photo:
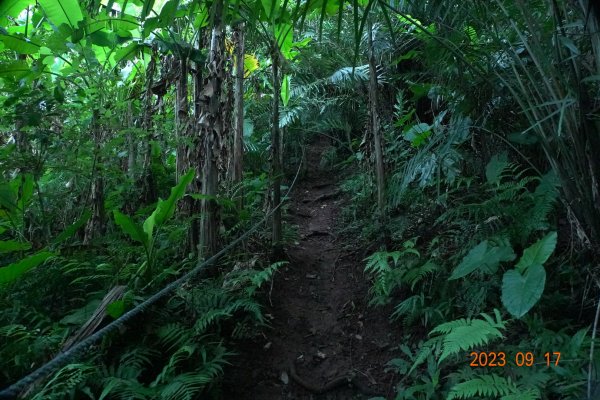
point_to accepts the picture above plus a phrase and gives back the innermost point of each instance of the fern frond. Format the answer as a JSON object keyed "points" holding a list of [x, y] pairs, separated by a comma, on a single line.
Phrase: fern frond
{"points": [[65, 381], [465, 334], [407, 309], [185, 386], [415, 275], [173, 335], [485, 385]]}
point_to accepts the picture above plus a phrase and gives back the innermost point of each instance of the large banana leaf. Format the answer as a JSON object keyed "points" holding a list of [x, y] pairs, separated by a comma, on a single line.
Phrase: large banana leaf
{"points": [[12, 8], [62, 12]]}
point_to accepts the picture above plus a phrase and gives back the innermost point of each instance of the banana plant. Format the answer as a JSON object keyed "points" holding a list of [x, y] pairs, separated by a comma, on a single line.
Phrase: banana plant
{"points": [[146, 233]]}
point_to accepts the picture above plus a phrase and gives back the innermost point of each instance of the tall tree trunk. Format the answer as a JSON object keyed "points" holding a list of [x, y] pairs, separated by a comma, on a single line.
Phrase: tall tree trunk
{"points": [[96, 225], [131, 154], [238, 138], [210, 123], [182, 118], [275, 143], [192, 207], [376, 127], [149, 189]]}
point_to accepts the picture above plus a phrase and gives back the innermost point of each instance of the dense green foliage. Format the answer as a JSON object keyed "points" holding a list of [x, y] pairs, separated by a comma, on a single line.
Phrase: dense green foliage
{"points": [[468, 129]]}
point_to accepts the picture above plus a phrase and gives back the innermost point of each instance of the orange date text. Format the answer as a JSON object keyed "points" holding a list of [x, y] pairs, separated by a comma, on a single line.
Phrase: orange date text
{"points": [[520, 359]]}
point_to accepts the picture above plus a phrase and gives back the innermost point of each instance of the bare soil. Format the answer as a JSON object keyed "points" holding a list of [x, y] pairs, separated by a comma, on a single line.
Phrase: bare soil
{"points": [[319, 314]]}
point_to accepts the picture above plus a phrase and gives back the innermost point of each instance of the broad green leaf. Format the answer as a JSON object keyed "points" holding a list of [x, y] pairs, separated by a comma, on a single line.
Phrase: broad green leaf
{"points": [[15, 69], [70, 231], [471, 261], [149, 223], [20, 44], [26, 189], [8, 197], [271, 7], [484, 257], [538, 253], [8, 246], [12, 8], [103, 38], [116, 308], [285, 90], [125, 23], [127, 52], [167, 13], [13, 271], [493, 170], [284, 34], [521, 292], [128, 226], [201, 19], [495, 255], [166, 208], [417, 134], [147, 7], [62, 12]]}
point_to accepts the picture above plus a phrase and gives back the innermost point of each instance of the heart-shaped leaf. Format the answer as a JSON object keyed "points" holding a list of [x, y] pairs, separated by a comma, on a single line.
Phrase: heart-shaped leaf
{"points": [[521, 292]]}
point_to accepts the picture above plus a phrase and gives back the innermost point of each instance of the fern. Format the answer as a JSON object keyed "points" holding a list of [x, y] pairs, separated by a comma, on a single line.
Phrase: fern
{"points": [[408, 308], [417, 274], [185, 386], [258, 278], [465, 334], [493, 386], [65, 382], [485, 385], [173, 335]]}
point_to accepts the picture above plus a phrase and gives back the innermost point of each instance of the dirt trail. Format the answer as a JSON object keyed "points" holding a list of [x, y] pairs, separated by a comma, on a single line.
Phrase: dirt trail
{"points": [[320, 317]]}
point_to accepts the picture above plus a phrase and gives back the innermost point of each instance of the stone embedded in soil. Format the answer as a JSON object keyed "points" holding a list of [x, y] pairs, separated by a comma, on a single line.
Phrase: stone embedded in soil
{"points": [[284, 378]]}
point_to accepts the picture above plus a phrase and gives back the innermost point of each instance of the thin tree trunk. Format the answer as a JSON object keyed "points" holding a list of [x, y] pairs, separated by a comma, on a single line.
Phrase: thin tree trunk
{"points": [[275, 143], [210, 122], [238, 138], [376, 127]]}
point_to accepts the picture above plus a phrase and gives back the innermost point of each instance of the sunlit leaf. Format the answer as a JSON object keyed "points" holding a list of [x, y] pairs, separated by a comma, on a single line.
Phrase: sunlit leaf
{"points": [[285, 90], [15, 69], [250, 64], [284, 34], [12, 8], [62, 11], [20, 44]]}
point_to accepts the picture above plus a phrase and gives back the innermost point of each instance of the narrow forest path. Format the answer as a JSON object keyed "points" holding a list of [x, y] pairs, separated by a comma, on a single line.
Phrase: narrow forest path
{"points": [[320, 319]]}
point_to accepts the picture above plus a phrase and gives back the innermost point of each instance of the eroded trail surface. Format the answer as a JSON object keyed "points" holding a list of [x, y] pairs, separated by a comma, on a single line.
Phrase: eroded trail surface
{"points": [[320, 320]]}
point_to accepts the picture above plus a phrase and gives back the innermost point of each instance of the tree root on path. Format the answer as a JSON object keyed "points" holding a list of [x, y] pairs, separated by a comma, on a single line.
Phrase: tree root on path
{"points": [[347, 379]]}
